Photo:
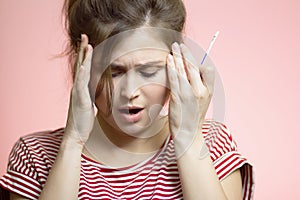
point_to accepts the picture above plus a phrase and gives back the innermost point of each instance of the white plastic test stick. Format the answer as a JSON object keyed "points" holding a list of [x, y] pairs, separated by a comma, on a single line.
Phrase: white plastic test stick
{"points": [[210, 46]]}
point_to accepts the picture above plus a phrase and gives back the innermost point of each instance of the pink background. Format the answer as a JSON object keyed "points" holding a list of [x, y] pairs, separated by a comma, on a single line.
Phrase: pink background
{"points": [[256, 54]]}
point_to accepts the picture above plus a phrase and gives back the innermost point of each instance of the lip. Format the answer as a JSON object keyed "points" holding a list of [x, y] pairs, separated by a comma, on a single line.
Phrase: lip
{"points": [[133, 117], [131, 107]]}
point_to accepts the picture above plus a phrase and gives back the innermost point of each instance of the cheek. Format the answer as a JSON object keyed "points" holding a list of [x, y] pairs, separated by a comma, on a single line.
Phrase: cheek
{"points": [[157, 94], [98, 88], [101, 102]]}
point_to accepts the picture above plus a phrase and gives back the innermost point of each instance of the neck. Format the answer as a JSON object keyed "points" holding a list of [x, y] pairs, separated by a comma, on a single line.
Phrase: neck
{"points": [[137, 144], [117, 149]]}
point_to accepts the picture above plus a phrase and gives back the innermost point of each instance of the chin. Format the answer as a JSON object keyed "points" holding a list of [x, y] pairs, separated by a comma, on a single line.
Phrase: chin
{"points": [[143, 129], [133, 130]]}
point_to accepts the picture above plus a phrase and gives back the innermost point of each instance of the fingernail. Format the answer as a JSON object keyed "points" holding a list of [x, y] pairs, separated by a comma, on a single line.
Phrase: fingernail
{"points": [[170, 58], [175, 46]]}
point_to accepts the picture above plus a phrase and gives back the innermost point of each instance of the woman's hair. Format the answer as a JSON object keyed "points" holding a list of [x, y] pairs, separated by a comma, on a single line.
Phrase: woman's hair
{"points": [[101, 19]]}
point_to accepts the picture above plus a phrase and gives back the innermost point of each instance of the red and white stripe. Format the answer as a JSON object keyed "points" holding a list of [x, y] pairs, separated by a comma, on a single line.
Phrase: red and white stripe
{"points": [[156, 178]]}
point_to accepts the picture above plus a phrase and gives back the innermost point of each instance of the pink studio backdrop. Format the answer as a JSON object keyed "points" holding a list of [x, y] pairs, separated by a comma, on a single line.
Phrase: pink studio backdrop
{"points": [[256, 54]]}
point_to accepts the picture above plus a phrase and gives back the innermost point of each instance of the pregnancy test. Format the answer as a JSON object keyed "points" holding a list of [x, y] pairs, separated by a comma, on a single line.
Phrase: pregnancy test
{"points": [[210, 46]]}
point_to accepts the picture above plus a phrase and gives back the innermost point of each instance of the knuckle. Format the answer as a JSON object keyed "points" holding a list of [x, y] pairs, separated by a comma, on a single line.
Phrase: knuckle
{"points": [[203, 95]]}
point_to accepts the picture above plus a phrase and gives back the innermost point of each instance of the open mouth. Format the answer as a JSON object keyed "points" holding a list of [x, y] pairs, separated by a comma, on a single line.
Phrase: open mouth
{"points": [[131, 114], [131, 111]]}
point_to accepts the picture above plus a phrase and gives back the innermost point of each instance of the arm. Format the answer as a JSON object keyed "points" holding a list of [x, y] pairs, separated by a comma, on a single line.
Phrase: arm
{"points": [[64, 177], [198, 176], [14, 196], [63, 180], [232, 185], [191, 92]]}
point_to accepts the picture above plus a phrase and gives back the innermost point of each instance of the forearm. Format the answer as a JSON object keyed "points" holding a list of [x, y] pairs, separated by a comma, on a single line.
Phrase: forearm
{"points": [[63, 180], [197, 173]]}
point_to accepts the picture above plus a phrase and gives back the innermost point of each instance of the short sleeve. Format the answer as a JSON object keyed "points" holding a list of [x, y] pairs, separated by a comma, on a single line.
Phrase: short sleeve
{"points": [[21, 175], [226, 157]]}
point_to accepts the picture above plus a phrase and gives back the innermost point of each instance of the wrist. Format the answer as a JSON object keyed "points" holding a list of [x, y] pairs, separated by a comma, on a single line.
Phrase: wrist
{"points": [[187, 142], [71, 142]]}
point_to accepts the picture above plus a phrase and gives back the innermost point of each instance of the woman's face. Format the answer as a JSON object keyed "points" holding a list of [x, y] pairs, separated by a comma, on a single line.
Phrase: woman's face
{"points": [[138, 70]]}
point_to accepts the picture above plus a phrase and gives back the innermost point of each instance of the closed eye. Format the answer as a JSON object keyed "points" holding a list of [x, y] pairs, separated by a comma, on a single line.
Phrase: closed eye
{"points": [[148, 74], [116, 74], [149, 71]]}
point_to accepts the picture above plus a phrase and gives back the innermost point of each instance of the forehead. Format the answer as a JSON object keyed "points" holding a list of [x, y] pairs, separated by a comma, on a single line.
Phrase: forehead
{"points": [[140, 44], [141, 57], [131, 47]]}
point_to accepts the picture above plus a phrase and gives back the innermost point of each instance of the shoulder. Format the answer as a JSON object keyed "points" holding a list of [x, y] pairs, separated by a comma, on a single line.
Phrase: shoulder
{"points": [[218, 138], [30, 161], [48, 140], [35, 153], [36, 148], [226, 157], [40, 147], [44, 136], [38, 144]]}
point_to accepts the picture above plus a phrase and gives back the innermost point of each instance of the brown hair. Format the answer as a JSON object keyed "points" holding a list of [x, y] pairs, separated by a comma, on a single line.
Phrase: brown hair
{"points": [[101, 19]]}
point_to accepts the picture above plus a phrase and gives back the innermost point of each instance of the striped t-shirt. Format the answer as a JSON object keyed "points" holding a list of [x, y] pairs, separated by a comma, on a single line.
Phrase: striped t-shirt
{"points": [[155, 178]]}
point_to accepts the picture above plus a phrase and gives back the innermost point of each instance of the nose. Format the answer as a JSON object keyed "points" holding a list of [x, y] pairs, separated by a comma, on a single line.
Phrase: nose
{"points": [[129, 86]]}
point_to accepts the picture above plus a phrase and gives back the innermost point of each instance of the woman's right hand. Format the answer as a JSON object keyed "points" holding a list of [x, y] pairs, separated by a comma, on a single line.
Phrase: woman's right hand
{"points": [[81, 112]]}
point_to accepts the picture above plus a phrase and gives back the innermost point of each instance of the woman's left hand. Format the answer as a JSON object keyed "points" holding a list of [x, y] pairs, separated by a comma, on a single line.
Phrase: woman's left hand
{"points": [[191, 88]]}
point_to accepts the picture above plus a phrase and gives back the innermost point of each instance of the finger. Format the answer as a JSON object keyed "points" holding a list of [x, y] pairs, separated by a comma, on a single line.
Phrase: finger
{"points": [[207, 72], [179, 64], [83, 78], [208, 77], [83, 45], [87, 64], [83, 75], [193, 71], [83, 62], [172, 75]]}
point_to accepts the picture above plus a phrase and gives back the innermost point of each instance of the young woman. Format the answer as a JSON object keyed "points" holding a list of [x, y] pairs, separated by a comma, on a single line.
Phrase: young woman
{"points": [[136, 125]]}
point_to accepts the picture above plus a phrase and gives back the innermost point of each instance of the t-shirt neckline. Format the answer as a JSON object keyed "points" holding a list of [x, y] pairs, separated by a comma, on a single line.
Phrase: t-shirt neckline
{"points": [[130, 168]]}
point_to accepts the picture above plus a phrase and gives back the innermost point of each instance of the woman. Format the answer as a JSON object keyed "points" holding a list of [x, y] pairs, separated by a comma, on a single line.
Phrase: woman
{"points": [[148, 138]]}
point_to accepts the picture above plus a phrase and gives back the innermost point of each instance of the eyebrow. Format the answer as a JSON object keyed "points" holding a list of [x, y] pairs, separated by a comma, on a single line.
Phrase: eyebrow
{"points": [[160, 64]]}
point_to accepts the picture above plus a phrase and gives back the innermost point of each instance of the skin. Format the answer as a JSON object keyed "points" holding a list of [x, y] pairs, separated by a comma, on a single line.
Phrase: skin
{"points": [[198, 176], [194, 84], [136, 75]]}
